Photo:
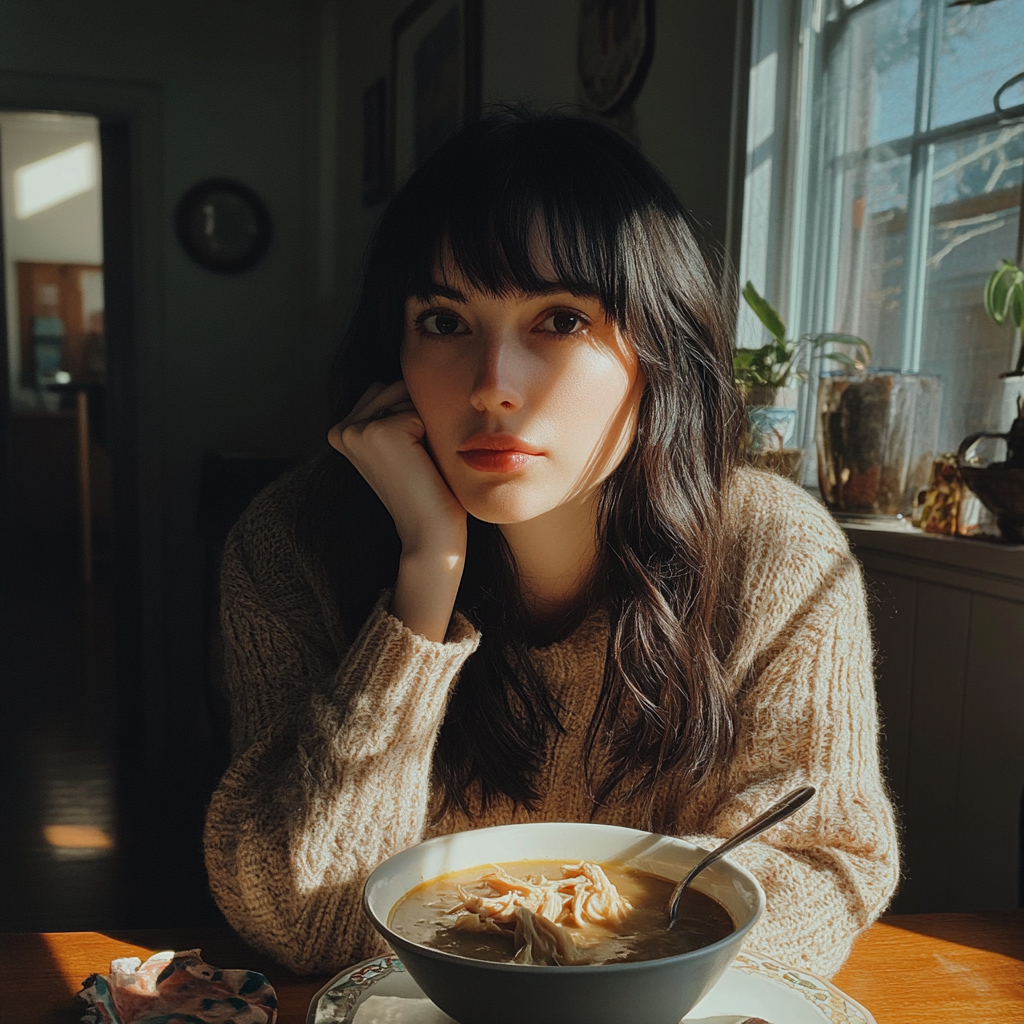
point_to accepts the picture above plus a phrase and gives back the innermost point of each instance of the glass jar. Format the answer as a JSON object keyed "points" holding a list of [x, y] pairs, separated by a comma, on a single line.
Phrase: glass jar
{"points": [[876, 437]]}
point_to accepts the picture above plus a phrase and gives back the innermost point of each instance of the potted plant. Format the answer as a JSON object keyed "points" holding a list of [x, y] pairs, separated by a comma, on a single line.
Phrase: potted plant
{"points": [[767, 376], [1000, 485], [1004, 304], [876, 430], [1004, 300]]}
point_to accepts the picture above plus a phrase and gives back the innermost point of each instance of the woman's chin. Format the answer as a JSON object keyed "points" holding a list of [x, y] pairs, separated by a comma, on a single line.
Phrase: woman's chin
{"points": [[504, 509]]}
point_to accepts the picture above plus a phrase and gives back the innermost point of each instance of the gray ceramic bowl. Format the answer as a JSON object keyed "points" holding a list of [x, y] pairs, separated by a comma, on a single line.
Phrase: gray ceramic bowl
{"points": [[645, 992]]}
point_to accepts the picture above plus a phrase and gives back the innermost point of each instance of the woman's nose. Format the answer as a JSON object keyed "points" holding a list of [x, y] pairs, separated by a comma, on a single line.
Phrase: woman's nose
{"points": [[498, 383]]}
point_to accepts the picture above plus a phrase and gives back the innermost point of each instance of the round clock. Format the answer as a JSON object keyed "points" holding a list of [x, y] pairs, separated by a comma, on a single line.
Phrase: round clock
{"points": [[223, 225], [616, 44]]}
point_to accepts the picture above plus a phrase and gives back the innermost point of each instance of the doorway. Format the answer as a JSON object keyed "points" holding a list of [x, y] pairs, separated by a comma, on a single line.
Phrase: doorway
{"points": [[156, 860], [58, 637]]}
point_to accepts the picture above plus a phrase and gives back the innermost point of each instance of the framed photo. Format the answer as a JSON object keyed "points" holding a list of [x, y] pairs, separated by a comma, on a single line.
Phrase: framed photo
{"points": [[376, 176], [435, 77]]}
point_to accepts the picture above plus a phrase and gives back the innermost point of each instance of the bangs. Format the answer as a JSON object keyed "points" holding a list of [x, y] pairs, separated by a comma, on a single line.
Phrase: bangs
{"points": [[550, 202], [520, 247]]}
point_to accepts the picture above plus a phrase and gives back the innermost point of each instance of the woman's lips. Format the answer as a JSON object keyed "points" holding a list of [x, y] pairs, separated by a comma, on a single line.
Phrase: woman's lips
{"points": [[491, 460], [497, 453]]}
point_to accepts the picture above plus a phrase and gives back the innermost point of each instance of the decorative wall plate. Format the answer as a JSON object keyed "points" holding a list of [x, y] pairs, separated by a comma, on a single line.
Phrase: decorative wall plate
{"points": [[616, 45]]}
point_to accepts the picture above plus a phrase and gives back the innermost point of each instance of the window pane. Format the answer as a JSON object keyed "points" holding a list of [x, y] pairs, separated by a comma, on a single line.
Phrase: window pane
{"points": [[882, 44], [975, 206], [869, 283], [982, 46]]}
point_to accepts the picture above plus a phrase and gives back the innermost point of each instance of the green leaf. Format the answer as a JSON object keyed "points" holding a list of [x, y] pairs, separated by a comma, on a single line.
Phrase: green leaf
{"points": [[997, 293], [848, 364], [1005, 283], [783, 351], [819, 341], [757, 366], [1017, 305], [989, 299], [744, 370], [765, 312]]}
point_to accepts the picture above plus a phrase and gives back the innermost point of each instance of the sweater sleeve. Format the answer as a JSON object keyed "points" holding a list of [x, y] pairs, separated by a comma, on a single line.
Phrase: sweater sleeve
{"points": [[332, 750], [807, 714]]}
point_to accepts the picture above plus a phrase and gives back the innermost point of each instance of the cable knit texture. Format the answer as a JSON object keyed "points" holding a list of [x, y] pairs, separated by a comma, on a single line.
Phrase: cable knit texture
{"points": [[333, 739]]}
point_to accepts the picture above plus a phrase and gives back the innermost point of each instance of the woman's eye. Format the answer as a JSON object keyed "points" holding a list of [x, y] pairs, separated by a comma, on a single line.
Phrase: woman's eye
{"points": [[442, 323], [564, 322]]}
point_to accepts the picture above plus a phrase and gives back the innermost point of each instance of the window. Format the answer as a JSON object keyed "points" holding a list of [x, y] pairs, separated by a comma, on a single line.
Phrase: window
{"points": [[881, 186]]}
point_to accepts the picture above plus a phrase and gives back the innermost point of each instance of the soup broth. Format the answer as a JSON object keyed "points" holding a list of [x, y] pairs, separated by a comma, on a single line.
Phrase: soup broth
{"points": [[440, 914]]}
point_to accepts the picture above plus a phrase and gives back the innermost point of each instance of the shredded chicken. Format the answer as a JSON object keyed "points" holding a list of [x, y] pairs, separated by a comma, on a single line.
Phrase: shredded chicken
{"points": [[539, 941], [538, 909]]}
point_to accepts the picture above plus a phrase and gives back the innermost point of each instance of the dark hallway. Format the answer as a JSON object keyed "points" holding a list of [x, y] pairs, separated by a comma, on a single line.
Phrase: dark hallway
{"points": [[58, 864], [72, 858]]}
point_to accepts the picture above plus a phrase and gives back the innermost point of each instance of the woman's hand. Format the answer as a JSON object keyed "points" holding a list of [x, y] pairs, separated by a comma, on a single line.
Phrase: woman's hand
{"points": [[383, 438]]}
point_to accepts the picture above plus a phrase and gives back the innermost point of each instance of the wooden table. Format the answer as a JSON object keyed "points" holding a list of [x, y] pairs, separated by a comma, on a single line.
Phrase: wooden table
{"points": [[921, 969]]}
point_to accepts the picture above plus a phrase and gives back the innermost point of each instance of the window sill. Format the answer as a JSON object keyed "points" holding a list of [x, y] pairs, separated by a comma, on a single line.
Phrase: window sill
{"points": [[974, 564]]}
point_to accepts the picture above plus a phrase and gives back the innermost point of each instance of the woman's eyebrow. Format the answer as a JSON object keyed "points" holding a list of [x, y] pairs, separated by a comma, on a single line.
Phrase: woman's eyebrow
{"points": [[436, 290], [562, 288], [550, 288]]}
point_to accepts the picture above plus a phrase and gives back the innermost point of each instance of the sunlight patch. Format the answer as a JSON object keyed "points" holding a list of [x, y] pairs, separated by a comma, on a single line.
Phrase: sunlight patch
{"points": [[78, 837], [45, 183]]}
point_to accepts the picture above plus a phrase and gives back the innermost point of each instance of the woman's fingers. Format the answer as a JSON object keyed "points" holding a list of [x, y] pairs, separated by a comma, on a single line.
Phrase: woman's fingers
{"points": [[378, 402], [396, 392], [376, 397], [383, 439], [392, 410], [368, 396]]}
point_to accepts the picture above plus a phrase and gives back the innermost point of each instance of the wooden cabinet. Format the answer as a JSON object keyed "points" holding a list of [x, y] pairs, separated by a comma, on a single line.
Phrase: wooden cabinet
{"points": [[71, 293], [948, 617]]}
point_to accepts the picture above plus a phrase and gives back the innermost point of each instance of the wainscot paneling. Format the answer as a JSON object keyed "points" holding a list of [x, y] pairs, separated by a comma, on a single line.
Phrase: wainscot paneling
{"points": [[948, 621]]}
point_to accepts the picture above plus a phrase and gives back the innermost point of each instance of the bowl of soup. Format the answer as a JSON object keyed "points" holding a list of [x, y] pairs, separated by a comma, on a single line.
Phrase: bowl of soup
{"points": [[561, 923]]}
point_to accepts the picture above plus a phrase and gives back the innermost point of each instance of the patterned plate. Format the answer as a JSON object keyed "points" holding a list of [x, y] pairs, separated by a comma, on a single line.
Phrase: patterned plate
{"points": [[379, 991]]}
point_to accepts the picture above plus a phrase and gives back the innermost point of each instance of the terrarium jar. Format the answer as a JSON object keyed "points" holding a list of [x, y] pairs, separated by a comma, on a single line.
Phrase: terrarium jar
{"points": [[876, 436]]}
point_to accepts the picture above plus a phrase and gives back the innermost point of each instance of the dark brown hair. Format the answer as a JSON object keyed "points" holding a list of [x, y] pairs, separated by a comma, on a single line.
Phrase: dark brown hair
{"points": [[614, 230]]}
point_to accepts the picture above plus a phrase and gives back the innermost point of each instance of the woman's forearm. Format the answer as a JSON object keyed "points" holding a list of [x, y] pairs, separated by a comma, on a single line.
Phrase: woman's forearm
{"points": [[318, 799], [427, 584]]}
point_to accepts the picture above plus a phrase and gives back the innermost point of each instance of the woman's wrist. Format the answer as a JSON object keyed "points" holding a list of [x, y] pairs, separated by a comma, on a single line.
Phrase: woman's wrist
{"points": [[428, 582]]}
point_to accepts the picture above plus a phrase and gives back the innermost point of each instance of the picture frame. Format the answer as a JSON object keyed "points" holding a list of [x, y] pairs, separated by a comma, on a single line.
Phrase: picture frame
{"points": [[435, 78], [376, 171]]}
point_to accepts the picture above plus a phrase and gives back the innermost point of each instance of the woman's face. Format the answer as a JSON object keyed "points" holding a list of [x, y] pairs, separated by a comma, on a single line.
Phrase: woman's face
{"points": [[529, 400]]}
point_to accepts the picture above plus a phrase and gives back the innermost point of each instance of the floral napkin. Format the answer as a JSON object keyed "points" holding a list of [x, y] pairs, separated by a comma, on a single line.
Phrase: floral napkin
{"points": [[177, 986]]}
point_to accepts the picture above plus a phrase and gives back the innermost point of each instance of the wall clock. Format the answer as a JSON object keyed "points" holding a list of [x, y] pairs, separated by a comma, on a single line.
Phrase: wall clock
{"points": [[223, 225], [616, 44]]}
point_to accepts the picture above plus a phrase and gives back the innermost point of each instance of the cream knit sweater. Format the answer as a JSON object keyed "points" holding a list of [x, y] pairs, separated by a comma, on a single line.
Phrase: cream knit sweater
{"points": [[333, 739]]}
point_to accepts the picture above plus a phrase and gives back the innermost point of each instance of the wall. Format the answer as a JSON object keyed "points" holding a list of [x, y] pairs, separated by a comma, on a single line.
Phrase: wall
{"points": [[67, 233], [681, 118], [223, 363], [270, 92]]}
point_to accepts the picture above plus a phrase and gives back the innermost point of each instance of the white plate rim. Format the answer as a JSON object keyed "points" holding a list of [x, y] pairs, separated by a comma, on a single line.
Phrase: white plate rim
{"points": [[832, 1004]]}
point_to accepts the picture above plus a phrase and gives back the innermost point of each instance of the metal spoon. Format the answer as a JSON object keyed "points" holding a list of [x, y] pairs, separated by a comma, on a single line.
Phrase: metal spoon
{"points": [[783, 809]]}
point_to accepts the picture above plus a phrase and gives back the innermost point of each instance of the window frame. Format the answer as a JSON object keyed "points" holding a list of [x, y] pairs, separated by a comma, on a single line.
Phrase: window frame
{"points": [[803, 215]]}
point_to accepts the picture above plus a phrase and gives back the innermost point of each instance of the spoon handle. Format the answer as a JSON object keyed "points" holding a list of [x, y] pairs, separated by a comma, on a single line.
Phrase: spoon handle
{"points": [[783, 809]]}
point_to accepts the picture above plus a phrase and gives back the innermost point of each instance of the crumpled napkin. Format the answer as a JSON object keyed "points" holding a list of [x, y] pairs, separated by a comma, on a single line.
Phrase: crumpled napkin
{"points": [[178, 985]]}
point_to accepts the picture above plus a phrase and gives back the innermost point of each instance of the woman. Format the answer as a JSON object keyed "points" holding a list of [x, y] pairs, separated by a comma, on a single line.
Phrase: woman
{"points": [[529, 581]]}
